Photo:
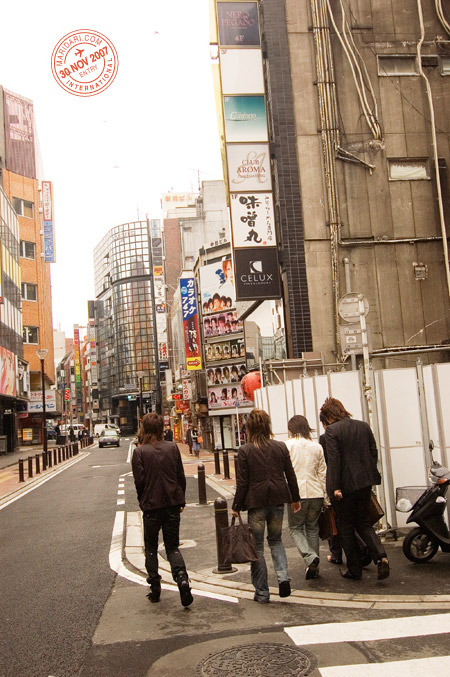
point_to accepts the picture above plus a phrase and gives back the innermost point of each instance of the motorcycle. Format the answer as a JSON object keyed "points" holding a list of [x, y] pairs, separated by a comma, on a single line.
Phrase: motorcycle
{"points": [[423, 542]]}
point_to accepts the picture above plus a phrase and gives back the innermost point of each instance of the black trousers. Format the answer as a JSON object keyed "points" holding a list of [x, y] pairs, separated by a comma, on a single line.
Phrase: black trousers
{"points": [[167, 519], [352, 513]]}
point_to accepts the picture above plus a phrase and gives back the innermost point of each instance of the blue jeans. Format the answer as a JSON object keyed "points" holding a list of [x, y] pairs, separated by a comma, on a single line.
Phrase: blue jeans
{"points": [[304, 528], [257, 519]]}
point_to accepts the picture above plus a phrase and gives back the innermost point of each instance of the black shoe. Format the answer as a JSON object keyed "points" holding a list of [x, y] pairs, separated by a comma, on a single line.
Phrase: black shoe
{"points": [[312, 570], [261, 600], [345, 573], [284, 589], [383, 568], [155, 592], [185, 590]]}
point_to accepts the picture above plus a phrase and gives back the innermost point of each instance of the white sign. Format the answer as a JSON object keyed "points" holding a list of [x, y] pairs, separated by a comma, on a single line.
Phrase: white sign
{"points": [[35, 403], [241, 71], [252, 220], [249, 166], [187, 390]]}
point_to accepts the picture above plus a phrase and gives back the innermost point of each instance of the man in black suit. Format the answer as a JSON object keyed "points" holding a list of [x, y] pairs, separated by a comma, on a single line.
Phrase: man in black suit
{"points": [[351, 473]]}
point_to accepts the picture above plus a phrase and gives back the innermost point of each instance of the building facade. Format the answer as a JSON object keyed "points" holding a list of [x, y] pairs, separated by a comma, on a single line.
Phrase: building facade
{"points": [[357, 97]]}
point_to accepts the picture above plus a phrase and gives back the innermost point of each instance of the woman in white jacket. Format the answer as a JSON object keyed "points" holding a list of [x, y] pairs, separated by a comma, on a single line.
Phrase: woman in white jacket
{"points": [[310, 468]]}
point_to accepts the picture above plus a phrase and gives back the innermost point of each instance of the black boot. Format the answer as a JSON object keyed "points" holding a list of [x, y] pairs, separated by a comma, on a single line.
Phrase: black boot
{"points": [[155, 591], [184, 588]]}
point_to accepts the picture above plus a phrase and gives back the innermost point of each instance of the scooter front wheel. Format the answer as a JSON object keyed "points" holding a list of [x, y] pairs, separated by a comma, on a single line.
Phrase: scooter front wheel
{"points": [[419, 547]]}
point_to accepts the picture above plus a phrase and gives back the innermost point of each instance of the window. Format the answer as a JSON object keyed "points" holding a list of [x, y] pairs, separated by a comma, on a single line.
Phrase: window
{"points": [[408, 170], [403, 64], [23, 207], [31, 335], [29, 291], [27, 249]]}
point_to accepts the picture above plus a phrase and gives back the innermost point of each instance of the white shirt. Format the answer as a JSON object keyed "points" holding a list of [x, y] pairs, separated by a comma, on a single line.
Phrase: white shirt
{"points": [[309, 466]]}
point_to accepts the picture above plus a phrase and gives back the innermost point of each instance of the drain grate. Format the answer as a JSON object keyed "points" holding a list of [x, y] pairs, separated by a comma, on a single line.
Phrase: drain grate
{"points": [[258, 660]]}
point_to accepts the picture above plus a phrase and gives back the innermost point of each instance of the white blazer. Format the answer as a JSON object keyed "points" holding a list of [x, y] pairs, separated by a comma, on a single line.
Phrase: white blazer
{"points": [[309, 466]]}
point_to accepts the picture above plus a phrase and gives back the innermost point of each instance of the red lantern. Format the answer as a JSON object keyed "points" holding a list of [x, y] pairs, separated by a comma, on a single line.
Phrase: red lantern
{"points": [[250, 383]]}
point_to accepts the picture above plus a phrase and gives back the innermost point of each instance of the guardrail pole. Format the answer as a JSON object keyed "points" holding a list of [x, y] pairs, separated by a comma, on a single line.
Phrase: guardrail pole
{"points": [[201, 485]]}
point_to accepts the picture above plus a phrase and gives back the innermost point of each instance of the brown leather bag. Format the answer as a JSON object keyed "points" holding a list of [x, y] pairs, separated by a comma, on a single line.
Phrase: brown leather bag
{"points": [[327, 523], [376, 512]]}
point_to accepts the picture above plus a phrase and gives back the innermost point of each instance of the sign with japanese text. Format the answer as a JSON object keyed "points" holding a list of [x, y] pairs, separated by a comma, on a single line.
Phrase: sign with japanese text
{"points": [[249, 167], [238, 23], [46, 197], [190, 323], [253, 220], [35, 403], [187, 390]]}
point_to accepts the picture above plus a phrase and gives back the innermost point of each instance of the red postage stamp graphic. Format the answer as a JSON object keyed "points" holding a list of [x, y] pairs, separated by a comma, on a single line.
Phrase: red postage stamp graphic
{"points": [[84, 63]]}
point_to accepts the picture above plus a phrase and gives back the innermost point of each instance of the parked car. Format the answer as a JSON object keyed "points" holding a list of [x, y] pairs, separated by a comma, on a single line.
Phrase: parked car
{"points": [[51, 433], [109, 438]]}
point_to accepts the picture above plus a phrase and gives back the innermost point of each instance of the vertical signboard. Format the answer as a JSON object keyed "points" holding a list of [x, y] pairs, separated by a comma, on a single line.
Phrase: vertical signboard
{"points": [[77, 360], [190, 323], [47, 209]]}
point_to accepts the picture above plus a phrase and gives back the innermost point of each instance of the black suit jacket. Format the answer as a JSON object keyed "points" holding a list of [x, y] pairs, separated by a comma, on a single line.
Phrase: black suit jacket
{"points": [[265, 476], [159, 475], [351, 453]]}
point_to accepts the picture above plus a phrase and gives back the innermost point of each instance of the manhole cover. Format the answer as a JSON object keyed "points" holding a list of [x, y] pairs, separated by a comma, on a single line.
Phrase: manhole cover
{"points": [[258, 660]]}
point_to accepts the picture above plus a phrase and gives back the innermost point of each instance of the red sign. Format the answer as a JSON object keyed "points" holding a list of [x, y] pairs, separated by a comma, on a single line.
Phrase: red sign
{"points": [[67, 394], [176, 396]]}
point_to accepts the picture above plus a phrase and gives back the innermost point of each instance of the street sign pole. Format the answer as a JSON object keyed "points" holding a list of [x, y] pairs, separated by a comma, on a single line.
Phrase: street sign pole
{"points": [[366, 359]]}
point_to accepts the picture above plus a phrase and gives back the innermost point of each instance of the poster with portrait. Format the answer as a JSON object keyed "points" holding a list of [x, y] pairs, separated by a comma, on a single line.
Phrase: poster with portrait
{"points": [[225, 350], [227, 396], [238, 23], [253, 220], [222, 324], [249, 167], [232, 373], [217, 287], [8, 372]]}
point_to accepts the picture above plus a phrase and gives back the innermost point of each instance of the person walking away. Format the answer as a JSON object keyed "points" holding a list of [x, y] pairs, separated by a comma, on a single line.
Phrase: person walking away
{"points": [[189, 439], [168, 435], [265, 482], [195, 442], [351, 472], [71, 434], [160, 485], [310, 470]]}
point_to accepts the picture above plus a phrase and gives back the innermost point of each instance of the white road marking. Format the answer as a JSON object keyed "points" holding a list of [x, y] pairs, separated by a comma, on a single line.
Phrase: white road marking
{"points": [[417, 667], [120, 492], [369, 631], [120, 501], [44, 479]]}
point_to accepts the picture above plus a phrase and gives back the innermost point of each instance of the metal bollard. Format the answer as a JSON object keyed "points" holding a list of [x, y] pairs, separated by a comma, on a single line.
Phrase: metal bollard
{"points": [[235, 459], [226, 465], [21, 471], [30, 466], [38, 463], [216, 462], [221, 518], [44, 461], [55, 457], [59, 454], [201, 485], [49, 458]]}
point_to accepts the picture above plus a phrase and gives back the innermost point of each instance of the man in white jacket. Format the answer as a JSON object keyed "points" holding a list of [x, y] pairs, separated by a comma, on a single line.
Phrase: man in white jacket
{"points": [[310, 469]]}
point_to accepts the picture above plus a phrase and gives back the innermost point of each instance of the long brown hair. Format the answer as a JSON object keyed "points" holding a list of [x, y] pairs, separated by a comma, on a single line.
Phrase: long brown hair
{"points": [[333, 410], [152, 429], [258, 427], [298, 426]]}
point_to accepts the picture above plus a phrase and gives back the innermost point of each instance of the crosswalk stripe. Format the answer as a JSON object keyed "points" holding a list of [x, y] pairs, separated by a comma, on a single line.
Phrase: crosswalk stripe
{"points": [[416, 667], [367, 631]]}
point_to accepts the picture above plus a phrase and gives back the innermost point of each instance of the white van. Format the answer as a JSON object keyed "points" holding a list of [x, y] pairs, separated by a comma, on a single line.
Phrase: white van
{"points": [[105, 426]]}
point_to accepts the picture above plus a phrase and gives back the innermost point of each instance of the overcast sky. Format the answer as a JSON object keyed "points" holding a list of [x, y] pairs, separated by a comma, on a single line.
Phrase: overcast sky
{"points": [[110, 156]]}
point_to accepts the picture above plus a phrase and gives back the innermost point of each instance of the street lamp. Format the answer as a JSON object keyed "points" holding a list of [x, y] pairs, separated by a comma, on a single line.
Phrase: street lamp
{"points": [[140, 375], [42, 354]]}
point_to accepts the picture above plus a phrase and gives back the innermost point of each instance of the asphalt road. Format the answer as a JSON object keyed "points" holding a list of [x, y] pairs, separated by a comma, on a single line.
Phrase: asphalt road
{"points": [[55, 576]]}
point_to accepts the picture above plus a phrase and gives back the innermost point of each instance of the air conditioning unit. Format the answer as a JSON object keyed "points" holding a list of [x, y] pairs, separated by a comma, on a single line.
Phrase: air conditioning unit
{"points": [[40, 210]]}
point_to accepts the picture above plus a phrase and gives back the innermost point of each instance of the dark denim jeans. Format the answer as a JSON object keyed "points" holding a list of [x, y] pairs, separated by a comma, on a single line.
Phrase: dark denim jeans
{"points": [[271, 515], [169, 520]]}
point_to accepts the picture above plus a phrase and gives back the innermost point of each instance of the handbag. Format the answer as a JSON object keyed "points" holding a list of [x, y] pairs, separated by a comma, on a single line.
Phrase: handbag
{"points": [[200, 439], [238, 542], [376, 512], [327, 523]]}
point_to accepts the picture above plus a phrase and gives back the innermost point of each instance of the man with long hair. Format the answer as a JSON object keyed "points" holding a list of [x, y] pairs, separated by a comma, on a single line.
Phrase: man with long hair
{"points": [[351, 473], [265, 482], [160, 484]]}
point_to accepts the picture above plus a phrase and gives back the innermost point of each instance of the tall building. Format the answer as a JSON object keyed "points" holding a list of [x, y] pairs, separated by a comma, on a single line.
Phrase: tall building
{"points": [[126, 321], [31, 196], [356, 97]]}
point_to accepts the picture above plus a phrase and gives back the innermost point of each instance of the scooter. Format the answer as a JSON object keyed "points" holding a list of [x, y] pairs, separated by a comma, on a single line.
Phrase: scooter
{"points": [[422, 543]]}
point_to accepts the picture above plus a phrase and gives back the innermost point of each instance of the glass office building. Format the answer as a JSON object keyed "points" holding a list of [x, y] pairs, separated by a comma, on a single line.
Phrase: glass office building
{"points": [[125, 321]]}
